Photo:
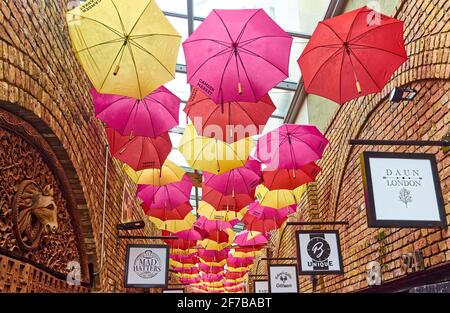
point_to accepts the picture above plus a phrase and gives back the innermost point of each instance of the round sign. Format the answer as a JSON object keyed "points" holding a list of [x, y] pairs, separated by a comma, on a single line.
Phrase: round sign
{"points": [[318, 249], [147, 264]]}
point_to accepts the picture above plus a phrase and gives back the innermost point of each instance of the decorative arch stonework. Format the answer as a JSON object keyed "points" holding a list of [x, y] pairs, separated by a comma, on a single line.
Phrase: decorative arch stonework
{"points": [[39, 221]]}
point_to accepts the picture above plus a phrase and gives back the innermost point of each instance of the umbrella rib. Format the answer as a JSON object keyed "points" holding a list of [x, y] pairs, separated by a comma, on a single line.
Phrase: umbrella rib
{"points": [[324, 63], [221, 52], [261, 57], [99, 44], [129, 115], [340, 77], [151, 54], [224, 25], [139, 18], [318, 47], [223, 74], [365, 69], [103, 24], [246, 74], [245, 26], [370, 30], [120, 18], [352, 24], [135, 70], [110, 68], [356, 46]]}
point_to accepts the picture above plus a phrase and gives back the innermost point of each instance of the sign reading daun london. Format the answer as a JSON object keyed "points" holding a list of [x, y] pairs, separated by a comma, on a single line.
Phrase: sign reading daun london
{"points": [[402, 190], [146, 266], [318, 252]]}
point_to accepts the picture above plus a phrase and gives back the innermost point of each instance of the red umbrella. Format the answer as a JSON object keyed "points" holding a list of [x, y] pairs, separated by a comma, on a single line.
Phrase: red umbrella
{"points": [[180, 243], [237, 55], [352, 55], [264, 219], [235, 275], [230, 121], [290, 179], [221, 202], [212, 255], [177, 213], [210, 269], [139, 152]]}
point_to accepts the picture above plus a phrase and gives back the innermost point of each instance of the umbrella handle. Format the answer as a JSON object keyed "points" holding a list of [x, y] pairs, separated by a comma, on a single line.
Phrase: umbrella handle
{"points": [[358, 87], [240, 88]]}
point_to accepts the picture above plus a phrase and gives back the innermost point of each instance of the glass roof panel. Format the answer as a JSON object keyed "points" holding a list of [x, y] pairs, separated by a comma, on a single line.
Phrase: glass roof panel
{"points": [[179, 86], [181, 25], [173, 6]]}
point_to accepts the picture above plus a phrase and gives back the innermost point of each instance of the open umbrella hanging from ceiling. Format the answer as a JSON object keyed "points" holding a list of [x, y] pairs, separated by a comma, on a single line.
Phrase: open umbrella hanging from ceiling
{"points": [[230, 121], [127, 48], [167, 174], [352, 55], [237, 55], [139, 152], [150, 117], [290, 179]]}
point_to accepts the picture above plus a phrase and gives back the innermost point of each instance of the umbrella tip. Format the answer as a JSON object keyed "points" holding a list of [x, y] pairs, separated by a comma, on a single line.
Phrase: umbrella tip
{"points": [[240, 88]]}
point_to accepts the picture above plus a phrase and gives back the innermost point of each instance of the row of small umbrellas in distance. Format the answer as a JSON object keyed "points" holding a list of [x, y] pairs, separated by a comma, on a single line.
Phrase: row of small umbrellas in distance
{"points": [[233, 59]]}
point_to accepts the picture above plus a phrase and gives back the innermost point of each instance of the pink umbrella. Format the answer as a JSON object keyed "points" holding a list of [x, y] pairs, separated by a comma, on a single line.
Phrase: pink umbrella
{"points": [[237, 55], [240, 262], [235, 275], [150, 117], [186, 270], [184, 257], [210, 269], [168, 196], [190, 234], [291, 146], [190, 280], [241, 180], [230, 284], [210, 277], [243, 239], [204, 224], [264, 219]]}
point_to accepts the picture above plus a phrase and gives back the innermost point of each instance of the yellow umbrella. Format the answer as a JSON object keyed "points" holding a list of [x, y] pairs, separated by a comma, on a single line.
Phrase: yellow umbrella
{"points": [[214, 284], [239, 254], [239, 269], [208, 211], [174, 226], [179, 264], [169, 173], [127, 48], [182, 252], [237, 280], [278, 199], [221, 263], [212, 155], [184, 275], [213, 245]]}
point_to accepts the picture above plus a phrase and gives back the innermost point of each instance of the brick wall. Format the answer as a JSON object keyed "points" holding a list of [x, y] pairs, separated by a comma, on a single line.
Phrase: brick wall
{"points": [[338, 192], [41, 80]]}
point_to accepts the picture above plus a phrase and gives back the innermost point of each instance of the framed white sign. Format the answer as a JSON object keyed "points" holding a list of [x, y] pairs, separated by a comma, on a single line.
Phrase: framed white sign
{"points": [[402, 190], [318, 252], [261, 286], [146, 266], [283, 278], [173, 291]]}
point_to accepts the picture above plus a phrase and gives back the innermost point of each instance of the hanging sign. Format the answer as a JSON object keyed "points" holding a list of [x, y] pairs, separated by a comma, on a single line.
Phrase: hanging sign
{"points": [[261, 286], [146, 266], [318, 252], [402, 190], [283, 278], [173, 291]]}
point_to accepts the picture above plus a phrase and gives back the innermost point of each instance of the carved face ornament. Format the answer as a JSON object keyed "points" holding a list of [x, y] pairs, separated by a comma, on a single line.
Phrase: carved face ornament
{"points": [[34, 213]]}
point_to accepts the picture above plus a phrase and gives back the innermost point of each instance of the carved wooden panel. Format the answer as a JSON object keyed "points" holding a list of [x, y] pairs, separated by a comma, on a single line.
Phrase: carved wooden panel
{"points": [[34, 218]]}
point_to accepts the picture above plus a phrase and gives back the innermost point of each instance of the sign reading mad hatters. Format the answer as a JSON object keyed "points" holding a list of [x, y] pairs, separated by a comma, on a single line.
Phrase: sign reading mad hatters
{"points": [[402, 190], [146, 266], [283, 278], [318, 252]]}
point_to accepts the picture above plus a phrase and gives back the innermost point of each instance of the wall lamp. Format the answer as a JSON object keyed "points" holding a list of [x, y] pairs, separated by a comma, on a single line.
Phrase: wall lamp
{"points": [[399, 94]]}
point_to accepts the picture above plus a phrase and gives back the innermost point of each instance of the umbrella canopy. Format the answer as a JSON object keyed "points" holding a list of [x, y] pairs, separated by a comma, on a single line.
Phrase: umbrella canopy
{"points": [[188, 258], [209, 277], [186, 270], [291, 146], [230, 121], [152, 116], [216, 258], [237, 55], [206, 254], [127, 48], [220, 202], [189, 234], [213, 245], [219, 263], [210, 269], [264, 219], [174, 226], [203, 224], [220, 236], [168, 196], [212, 155], [251, 238], [241, 180], [234, 262], [167, 174], [177, 213], [352, 55], [207, 210], [278, 199], [181, 243], [290, 179], [137, 151], [250, 253], [234, 275]]}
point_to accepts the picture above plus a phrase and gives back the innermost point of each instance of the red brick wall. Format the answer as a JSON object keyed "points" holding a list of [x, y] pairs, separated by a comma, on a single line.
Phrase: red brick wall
{"points": [[41, 78], [338, 192]]}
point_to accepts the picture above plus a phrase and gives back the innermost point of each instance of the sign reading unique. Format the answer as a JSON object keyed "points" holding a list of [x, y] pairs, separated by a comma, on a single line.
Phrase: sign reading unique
{"points": [[318, 252], [146, 266], [402, 190], [261, 286], [283, 278]]}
